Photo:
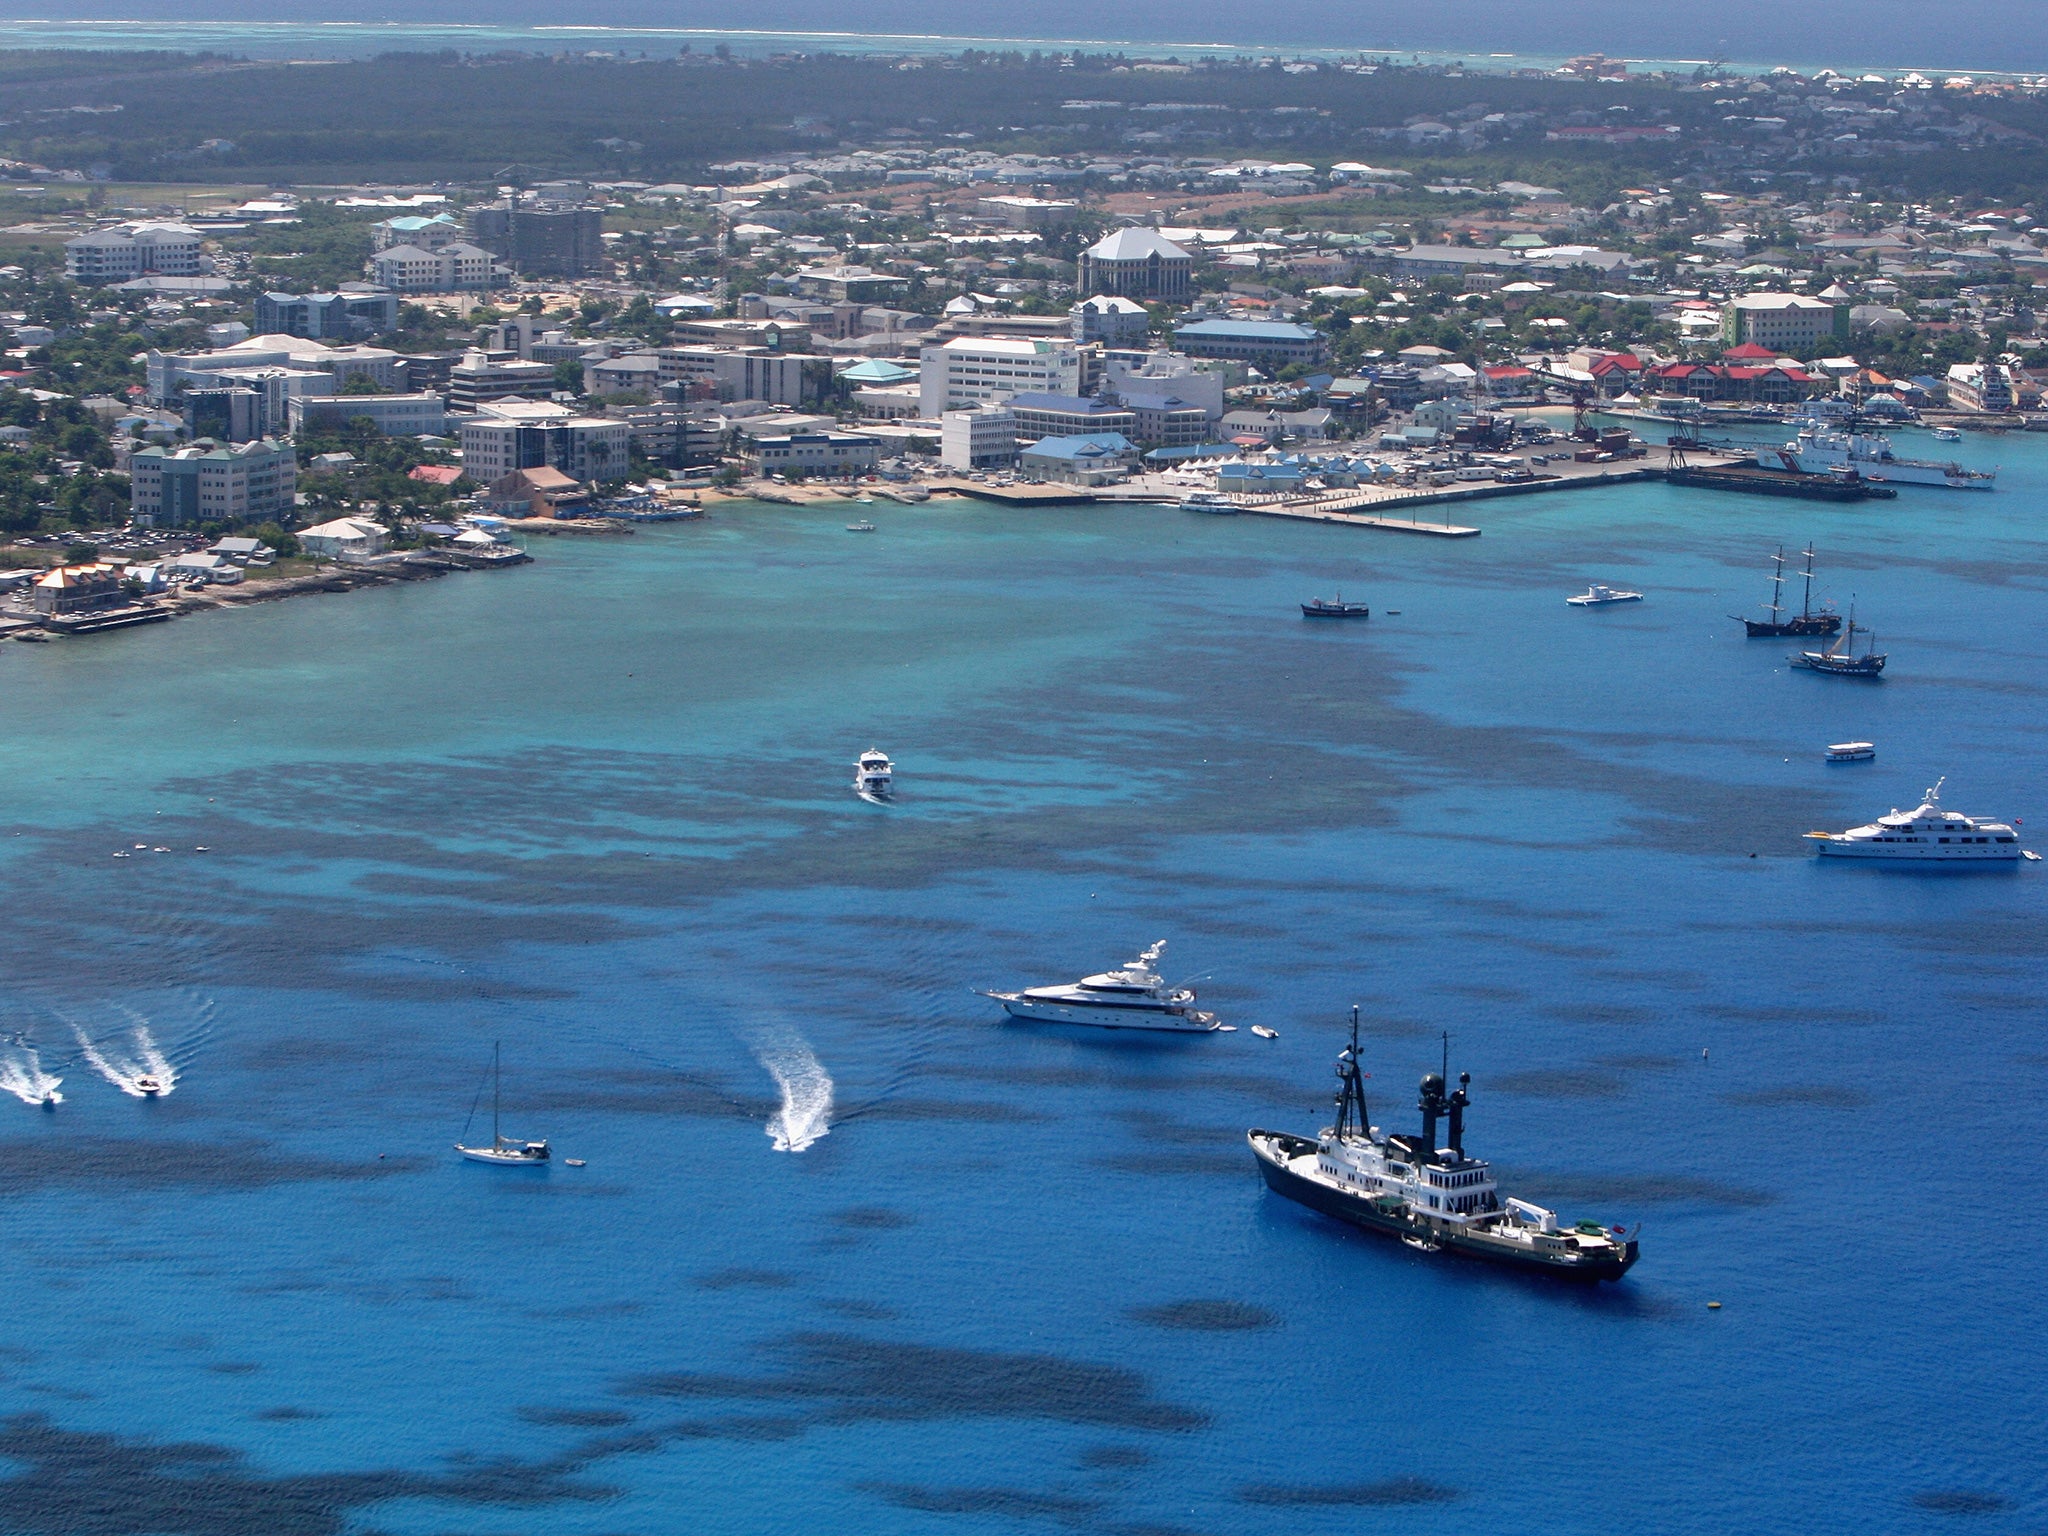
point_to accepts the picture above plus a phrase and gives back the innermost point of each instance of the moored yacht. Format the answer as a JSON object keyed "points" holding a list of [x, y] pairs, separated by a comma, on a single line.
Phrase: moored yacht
{"points": [[1135, 997], [1435, 1199], [874, 776], [1926, 832], [1207, 501], [1599, 595], [503, 1151], [1822, 450]]}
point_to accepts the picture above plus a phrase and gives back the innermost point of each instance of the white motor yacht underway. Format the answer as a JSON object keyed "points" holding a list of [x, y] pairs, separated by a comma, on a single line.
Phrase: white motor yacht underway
{"points": [[1928, 832], [874, 776], [1135, 997]]}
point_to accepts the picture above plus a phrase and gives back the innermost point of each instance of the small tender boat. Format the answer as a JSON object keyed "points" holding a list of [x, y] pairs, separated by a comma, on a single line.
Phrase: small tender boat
{"points": [[575, 1162], [1852, 752], [863, 526], [1334, 608], [1264, 1033], [148, 1087], [505, 1152], [874, 776], [1599, 595]]}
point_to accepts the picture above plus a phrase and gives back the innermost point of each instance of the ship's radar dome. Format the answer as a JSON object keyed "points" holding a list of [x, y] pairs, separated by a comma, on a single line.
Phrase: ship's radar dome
{"points": [[1432, 1084]]}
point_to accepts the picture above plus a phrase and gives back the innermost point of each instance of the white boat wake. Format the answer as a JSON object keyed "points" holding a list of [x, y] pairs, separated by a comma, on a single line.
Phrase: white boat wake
{"points": [[22, 1074], [130, 1067], [806, 1111]]}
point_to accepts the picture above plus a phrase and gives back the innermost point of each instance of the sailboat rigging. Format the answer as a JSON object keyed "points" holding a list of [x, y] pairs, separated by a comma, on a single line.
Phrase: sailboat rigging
{"points": [[503, 1151], [1806, 621]]}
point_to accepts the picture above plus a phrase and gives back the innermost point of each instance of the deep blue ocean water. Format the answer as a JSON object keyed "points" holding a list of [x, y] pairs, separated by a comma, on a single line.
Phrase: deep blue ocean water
{"points": [[1027, 1279], [1977, 35]]}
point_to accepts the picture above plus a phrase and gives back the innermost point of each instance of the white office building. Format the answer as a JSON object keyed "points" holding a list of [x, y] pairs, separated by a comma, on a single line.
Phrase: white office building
{"points": [[136, 250], [979, 437], [508, 435], [445, 269], [970, 370]]}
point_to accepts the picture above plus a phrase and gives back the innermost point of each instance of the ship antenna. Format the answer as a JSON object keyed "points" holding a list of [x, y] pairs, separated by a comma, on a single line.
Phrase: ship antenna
{"points": [[1447, 1056]]}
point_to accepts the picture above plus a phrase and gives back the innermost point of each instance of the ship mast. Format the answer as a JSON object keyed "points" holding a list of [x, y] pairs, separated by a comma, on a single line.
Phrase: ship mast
{"points": [[1806, 602], [1777, 607], [1351, 1097]]}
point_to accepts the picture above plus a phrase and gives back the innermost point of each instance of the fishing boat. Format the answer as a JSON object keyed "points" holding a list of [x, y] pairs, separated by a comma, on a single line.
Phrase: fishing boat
{"points": [[1334, 608], [1804, 622], [1600, 595], [1435, 1199], [504, 1151], [1852, 751], [863, 526], [1839, 658]]}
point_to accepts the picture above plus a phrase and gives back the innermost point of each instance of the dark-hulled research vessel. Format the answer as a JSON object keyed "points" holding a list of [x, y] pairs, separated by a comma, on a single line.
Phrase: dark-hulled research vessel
{"points": [[1436, 1199]]}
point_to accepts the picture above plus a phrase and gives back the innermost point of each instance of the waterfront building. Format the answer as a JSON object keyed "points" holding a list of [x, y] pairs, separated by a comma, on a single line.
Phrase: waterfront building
{"points": [[209, 482], [815, 453], [1979, 387], [978, 437], [79, 589], [516, 434], [1044, 415], [345, 538], [1136, 263], [969, 370], [1095, 458], [1790, 324]]}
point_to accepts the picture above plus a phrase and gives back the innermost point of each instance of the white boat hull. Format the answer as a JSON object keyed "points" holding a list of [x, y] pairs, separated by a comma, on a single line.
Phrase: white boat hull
{"points": [[1186, 1021], [1953, 853]]}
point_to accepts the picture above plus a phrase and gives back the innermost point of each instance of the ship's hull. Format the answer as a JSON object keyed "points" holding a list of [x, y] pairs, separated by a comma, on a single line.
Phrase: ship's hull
{"points": [[1360, 1211], [1185, 1021], [1889, 471], [1332, 611], [1953, 853], [1861, 666], [1818, 624]]}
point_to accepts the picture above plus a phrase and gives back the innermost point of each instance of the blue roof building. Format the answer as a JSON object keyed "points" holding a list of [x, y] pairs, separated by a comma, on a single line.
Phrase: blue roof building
{"points": [[1272, 344], [1091, 458]]}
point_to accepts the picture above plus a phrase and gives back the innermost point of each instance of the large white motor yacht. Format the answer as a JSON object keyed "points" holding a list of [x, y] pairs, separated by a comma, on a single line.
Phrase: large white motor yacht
{"points": [[1928, 832], [1135, 997]]}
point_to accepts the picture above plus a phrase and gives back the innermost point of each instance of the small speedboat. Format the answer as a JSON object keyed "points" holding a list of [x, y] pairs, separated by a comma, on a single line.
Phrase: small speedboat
{"points": [[1852, 751], [863, 526], [1264, 1033], [1334, 608], [1599, 595], [1947, 435], [148, 1087]]}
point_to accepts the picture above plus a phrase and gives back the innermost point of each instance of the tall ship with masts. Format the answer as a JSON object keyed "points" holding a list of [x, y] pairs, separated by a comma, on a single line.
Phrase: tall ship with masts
{"points": [[1807, 621], [1436, 1199], [1838, 657]]}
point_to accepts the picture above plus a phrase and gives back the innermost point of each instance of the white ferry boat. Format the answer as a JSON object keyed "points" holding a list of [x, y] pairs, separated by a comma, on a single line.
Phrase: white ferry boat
{"points": [[1928, 832], [1208, 501], [1824, 450], [1852, 751], [874, 776], [1599, 595], [1136, 997]]}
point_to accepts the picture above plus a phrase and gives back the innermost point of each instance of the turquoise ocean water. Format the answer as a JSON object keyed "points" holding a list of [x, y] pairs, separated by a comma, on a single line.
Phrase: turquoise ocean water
{"points": [[1022, 1279]]}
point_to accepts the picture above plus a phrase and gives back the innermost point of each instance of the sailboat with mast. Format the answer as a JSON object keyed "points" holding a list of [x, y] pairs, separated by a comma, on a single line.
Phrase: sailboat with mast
{"points": [[1839, 659], [1806, 621], [503, 1151]]}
